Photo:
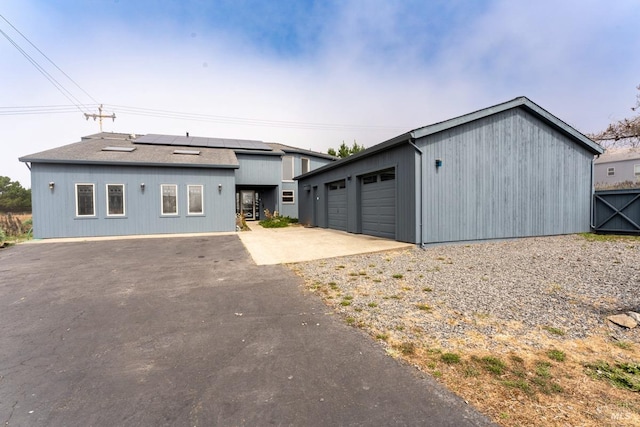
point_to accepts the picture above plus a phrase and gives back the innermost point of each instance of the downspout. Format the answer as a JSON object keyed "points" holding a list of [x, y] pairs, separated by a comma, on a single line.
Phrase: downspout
{"points": [[593, 195], [411, 139]]}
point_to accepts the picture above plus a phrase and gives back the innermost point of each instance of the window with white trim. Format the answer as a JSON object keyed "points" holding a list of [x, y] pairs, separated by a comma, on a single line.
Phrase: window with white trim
{"points": [[287, 168], [287, 196], [611, 171], [196, 199], [636, 170], [115, 199], [85, 200], [304, 162], [169, 193]]}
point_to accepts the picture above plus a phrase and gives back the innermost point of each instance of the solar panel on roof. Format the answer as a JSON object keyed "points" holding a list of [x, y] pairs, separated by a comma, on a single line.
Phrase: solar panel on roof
{"points": [[195, 141]]}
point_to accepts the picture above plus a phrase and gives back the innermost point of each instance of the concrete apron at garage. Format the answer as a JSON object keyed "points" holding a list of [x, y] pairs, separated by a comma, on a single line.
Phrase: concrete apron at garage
{"points": [[269, 246]]}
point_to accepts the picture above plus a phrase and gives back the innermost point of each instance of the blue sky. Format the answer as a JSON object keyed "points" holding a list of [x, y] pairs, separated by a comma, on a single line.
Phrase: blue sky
{"points": [[308, 73]]}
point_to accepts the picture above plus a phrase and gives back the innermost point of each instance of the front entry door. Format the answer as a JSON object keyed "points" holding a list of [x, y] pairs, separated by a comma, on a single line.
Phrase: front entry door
{"points": [[250, 204]]}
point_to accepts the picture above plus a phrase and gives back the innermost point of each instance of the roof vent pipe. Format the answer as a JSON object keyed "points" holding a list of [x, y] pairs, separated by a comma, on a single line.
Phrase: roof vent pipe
{"points": [[187, 134]]}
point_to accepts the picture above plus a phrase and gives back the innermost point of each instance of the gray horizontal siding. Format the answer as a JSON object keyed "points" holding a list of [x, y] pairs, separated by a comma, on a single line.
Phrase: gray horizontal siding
{"points": [[54, 211], [507, 175], [623, 171]]}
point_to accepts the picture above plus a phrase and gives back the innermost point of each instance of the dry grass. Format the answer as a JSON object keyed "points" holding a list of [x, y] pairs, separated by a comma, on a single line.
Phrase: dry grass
{"points": [[534, 389], [517, 376], [14, 226]]}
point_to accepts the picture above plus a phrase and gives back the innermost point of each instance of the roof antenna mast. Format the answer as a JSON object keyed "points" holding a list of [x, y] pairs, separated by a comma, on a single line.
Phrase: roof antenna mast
{"points": [[100, 116]]}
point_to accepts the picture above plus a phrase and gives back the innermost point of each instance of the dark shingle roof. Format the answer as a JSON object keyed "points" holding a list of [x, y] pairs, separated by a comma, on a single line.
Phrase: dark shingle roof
{"points": [[289, 149], [91, 150]]}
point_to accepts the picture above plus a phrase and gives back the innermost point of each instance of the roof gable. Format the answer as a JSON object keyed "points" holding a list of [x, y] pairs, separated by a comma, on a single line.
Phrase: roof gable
{"points": [[520, 102]]}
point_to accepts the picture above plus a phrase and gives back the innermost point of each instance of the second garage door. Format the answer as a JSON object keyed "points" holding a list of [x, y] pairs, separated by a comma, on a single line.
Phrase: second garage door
{"points": [[379, 204]]}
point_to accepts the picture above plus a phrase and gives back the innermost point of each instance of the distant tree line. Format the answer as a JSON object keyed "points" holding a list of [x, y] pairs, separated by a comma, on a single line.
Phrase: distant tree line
{"points": [[13, 197], [345, 151]]}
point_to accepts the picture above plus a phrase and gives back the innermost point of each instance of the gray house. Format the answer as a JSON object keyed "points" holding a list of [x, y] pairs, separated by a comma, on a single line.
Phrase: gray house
{"points": [[122, 184], [617, 166], [511, 170]]}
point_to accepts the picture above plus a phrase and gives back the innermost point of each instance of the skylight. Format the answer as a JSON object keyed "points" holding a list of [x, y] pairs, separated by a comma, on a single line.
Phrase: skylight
{"points": [[187, 152], [121, 149]]}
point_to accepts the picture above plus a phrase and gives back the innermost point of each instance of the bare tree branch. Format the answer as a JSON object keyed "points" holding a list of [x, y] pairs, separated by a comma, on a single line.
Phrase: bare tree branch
{"points": [[622, 133]]}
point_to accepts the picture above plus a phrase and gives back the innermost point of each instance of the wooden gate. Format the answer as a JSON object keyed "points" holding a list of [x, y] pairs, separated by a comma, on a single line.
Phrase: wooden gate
{"points": [[617, 211]]}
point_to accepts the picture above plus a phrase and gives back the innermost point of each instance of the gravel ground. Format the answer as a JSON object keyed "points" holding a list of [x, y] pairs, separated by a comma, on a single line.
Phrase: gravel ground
{"points": [[562, 287]]}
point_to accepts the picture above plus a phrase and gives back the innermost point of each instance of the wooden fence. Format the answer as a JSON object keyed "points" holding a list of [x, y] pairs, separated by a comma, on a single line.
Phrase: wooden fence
{"points": [[617, 211]]}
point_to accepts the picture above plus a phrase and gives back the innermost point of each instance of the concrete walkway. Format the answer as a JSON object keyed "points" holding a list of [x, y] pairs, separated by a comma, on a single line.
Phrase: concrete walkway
{"points": [[269, 246]]}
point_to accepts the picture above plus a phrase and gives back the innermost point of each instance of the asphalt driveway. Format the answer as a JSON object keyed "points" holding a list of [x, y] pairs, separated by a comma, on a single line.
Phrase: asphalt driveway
{"points": [[189, 331]]}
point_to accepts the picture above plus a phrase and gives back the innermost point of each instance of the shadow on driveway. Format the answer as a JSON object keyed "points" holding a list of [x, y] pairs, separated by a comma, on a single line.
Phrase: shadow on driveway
{"points": [[189, 331]]}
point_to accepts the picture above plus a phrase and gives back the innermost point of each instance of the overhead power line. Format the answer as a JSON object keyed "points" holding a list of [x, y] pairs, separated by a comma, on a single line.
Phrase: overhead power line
{"points": [[59, 86], [124, 110]]}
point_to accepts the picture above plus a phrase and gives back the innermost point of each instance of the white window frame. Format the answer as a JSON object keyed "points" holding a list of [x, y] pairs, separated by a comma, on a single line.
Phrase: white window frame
{"points": [[304, 160], [201, 212], [162, 212], [93, 200], [124, 208], [611, 171], [636, 170], [290, 159], [292, 195]]}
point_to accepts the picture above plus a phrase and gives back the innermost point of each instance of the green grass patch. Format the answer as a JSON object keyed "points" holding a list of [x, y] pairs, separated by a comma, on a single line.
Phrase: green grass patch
{"points": [[622, 375], [382, 337], [372, 304], [350, 320], [423, 307], [592, 237], [554, 331], [493, 364], [556, 355], [427, 289], [519, 384], [278, 222], [407, 348], [345, 303], [543, 369], [625, 345], [397, 276], [450, 358]]}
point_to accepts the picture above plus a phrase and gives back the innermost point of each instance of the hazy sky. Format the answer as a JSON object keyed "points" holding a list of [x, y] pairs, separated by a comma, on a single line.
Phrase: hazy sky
{"points": [[305, 73]]}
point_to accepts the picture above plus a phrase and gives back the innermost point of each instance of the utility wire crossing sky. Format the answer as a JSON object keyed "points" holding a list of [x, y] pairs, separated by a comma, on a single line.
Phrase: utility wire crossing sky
{"points": [[303, 73]]}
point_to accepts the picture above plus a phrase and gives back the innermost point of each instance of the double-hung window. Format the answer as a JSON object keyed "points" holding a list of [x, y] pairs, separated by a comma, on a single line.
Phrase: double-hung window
{"points": [[287, 196], [115, 200], [85, 200], [196, 198], [169, 193]]}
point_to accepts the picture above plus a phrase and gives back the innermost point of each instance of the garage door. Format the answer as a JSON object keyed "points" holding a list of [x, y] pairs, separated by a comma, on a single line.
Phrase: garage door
{"points": [[379, 204], [337, 205]]}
